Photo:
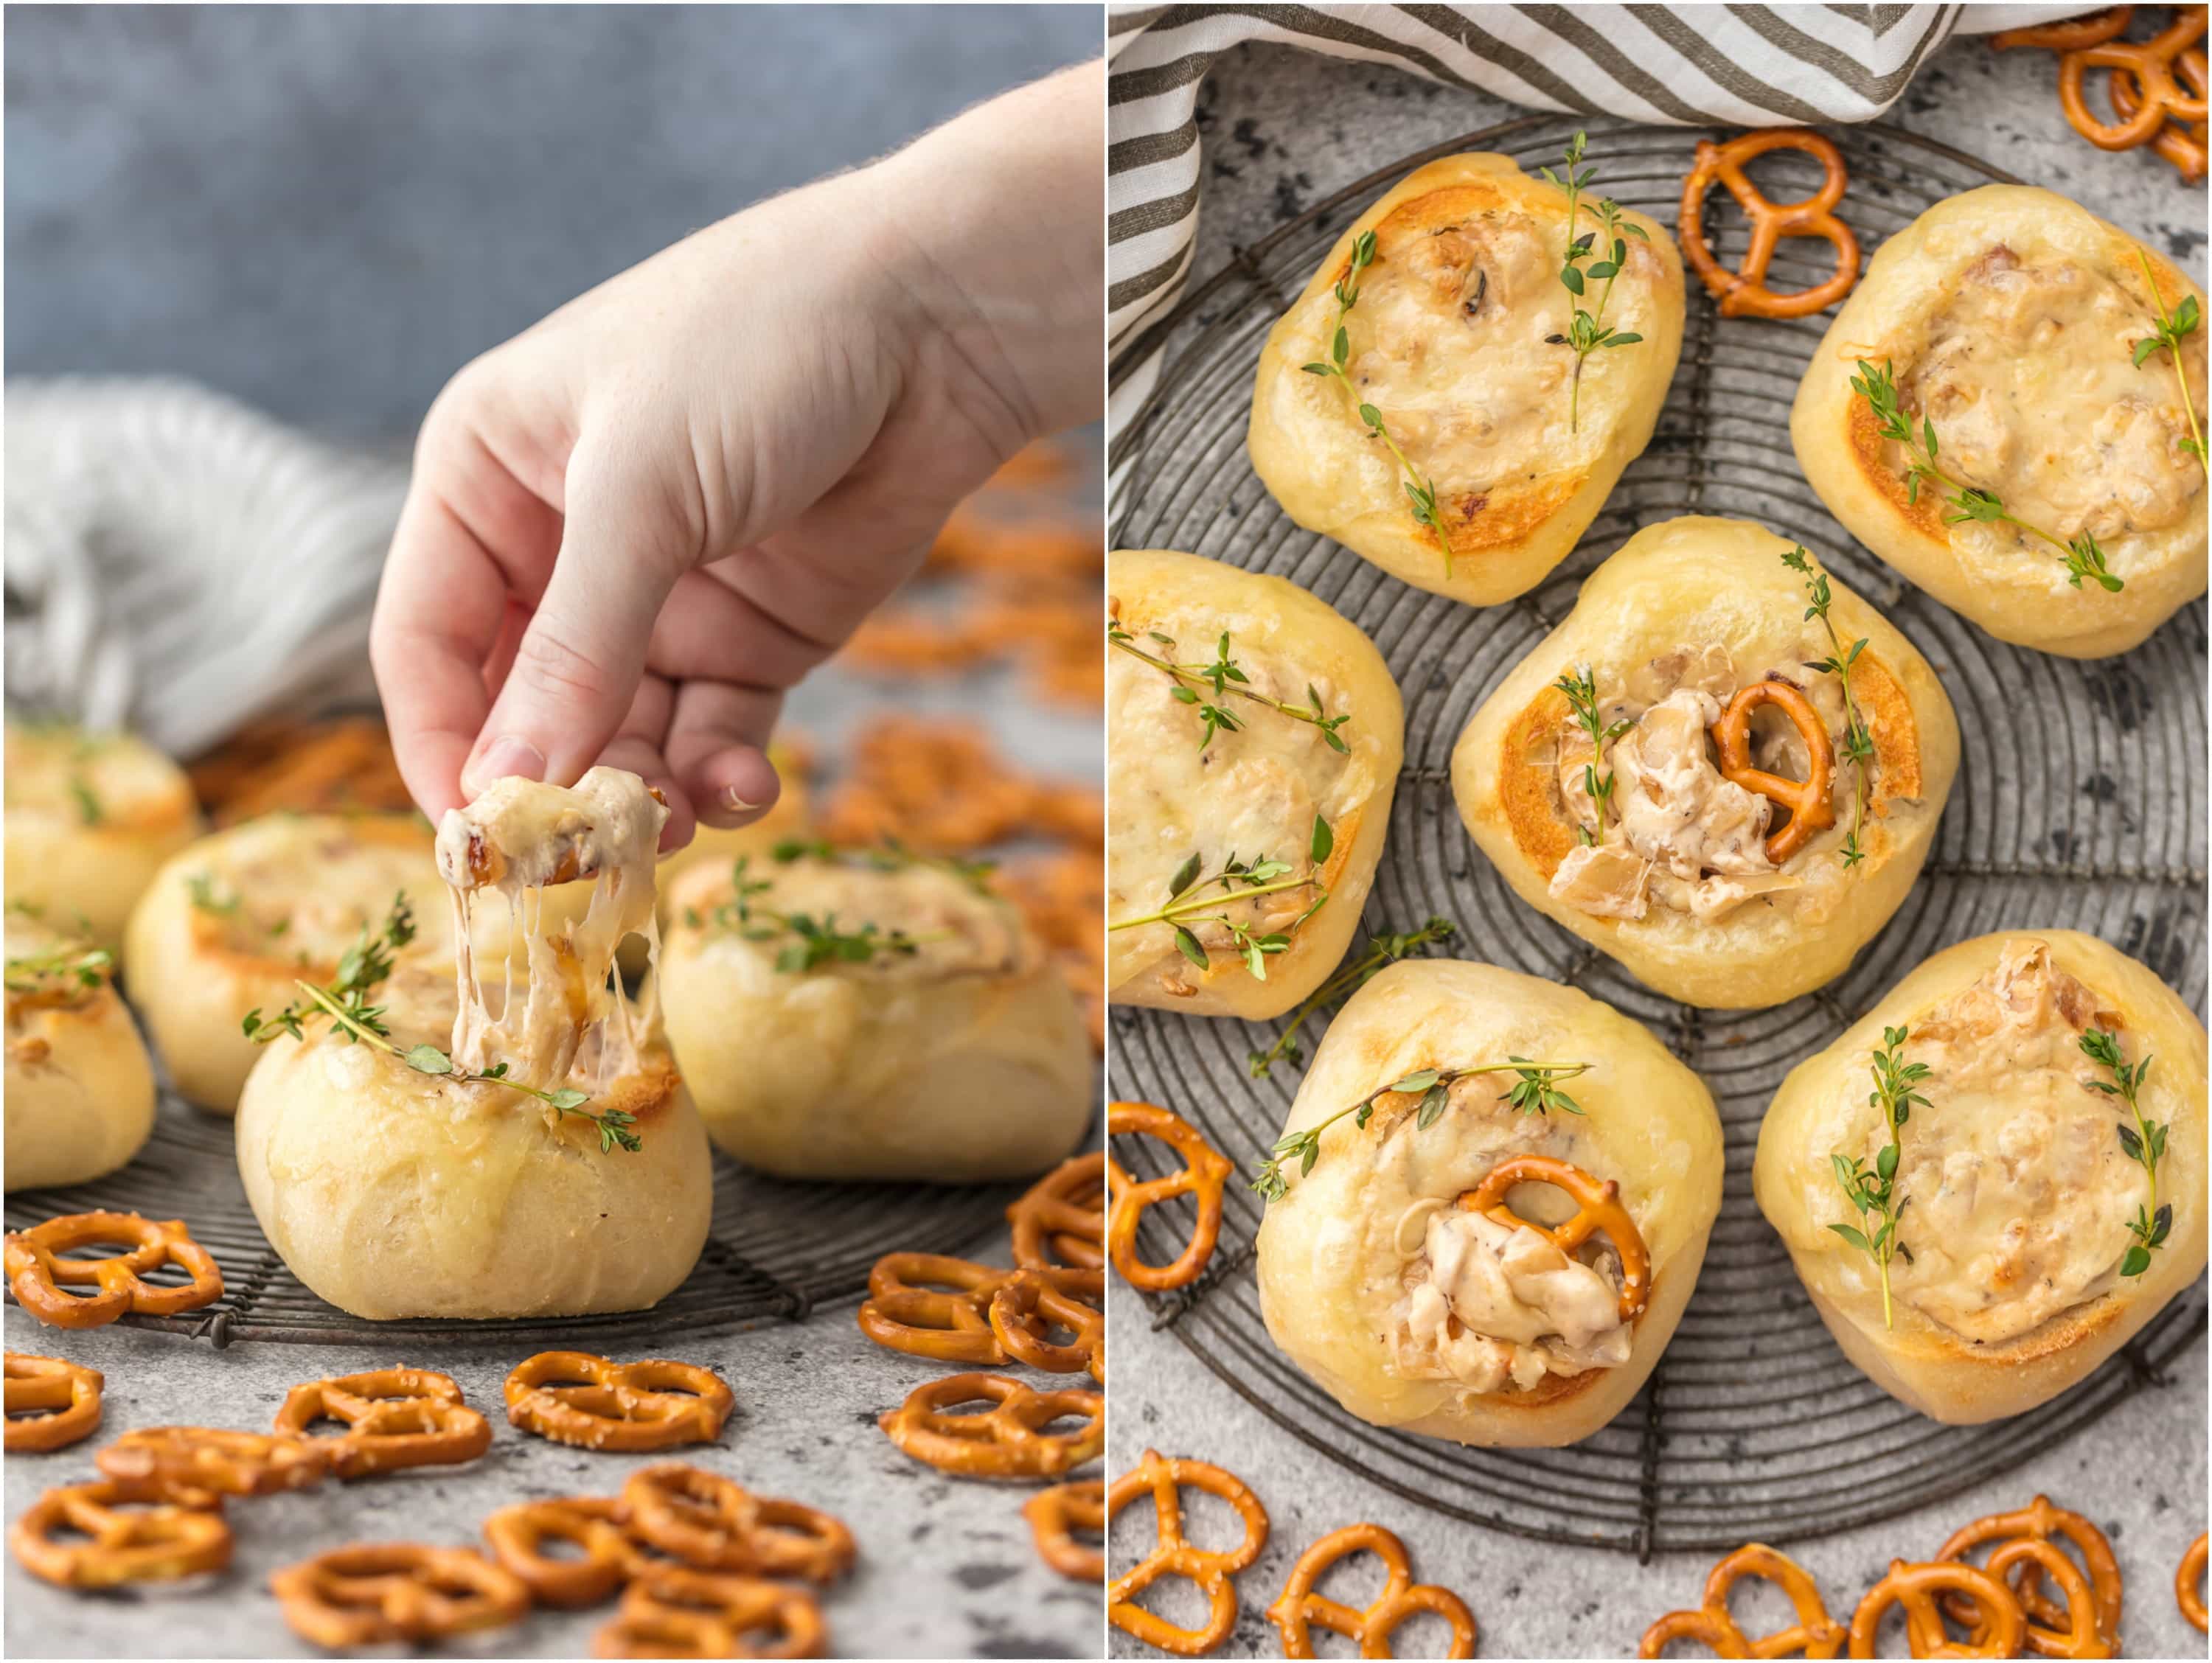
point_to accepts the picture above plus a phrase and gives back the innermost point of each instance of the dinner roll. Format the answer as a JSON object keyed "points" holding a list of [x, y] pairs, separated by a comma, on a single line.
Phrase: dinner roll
{"points": [[1418, 1312], [90, 817], [1457, 341], [862, 1015], [2009, 320], [80, 1098], [234, 922], [1704, 886], [2015, 1185], [1297, 770]]}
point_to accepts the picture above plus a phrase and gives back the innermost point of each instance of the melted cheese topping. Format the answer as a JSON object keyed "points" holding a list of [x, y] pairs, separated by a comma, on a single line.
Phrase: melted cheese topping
{"points": [[1249, 793], [515, 838], [94, 779], [2028, 375], [299, 890], [953, 927], [38, 973], [1490, 1305], [2017, 1190]]}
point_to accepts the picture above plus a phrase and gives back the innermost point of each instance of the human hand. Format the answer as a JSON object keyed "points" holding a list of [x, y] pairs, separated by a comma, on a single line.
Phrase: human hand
{"points": [[635, 526]]}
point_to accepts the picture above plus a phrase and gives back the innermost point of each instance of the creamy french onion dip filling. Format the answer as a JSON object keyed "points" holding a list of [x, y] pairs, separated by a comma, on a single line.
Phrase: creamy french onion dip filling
{"points": [[2018, 1192], [515, 840], [1680, 836]]}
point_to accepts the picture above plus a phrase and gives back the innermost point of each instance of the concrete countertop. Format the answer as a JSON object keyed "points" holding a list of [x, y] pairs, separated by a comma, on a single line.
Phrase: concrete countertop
{"points": [[1281, 129]]}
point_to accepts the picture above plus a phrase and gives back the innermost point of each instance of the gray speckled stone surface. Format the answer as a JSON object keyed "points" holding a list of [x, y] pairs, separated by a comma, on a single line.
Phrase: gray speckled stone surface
{"points": [[1281, 129]]}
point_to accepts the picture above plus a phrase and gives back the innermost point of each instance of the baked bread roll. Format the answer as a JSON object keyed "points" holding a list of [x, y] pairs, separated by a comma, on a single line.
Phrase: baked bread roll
{"points": [[516, 1141], [80, 1098], [857, 1015], [1417, 1311], [1457, 340], [90, 818], [1188, 790], [1704, 888], [2014, 1179], [234, 922], [2009, 317]]}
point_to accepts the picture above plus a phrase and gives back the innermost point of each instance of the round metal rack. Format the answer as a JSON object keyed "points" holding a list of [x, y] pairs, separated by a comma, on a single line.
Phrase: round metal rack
{"points": [[773, 1250], [2079, 805]]}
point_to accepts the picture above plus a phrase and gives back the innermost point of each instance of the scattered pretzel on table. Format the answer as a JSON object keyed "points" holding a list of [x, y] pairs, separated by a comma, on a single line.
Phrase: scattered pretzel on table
{"points": [[1919, 1589], [1203, 1174], [595, 1403], [714, 1523], [375, 1593], [604, 1560], [1055, 1516], [214, 1458], [394, 1418], [1713, 1625], [672, 1611], [58, 1401], [1597, 1211], [2179, 144], [2041, 1520], [2081, 1635], [1173, 1555], [1009, 1439], [2147, 84], [1026, 1312], [40, 1275], [932, 1306], [1402, 1599], [2185, 1580], [1060, 1221], [1811, 801], [1745, 293], [134, 1531]]}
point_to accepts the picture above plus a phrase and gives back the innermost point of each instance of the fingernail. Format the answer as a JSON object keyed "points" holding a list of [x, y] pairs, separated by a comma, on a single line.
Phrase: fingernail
{"points": [[736, 803], [508, 757]]}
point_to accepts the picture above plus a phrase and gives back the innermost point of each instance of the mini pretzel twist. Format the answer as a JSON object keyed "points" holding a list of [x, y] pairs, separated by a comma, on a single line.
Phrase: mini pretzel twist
{"points": [[1055, 1516], [2151, 62], [607, 1558], [138, 1532], [1815, 1633], [59, 1401], [2040, 1521], [1401, 1598], [713, 1523], [1745, 293], [671, 1611], [394, 1418], [1172, 1555], [2081, 1636], [1918, 1588], [1009, 1441], [1598, 1211], [1204, 1172], [1063, 1213], [373, 1593], [2185, 1591], [1025, 1311], [2181, 145], [1811, 800], [214, 1458], [595, 1403], [931, 1305], [39, 1275]]}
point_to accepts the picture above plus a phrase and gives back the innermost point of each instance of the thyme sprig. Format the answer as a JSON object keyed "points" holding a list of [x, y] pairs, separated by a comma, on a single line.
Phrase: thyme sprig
{"points": [[819, 941], [2084, 557], [1420, 488], [1859, 743], [1188, 898], [1586, 331], [2144, 1141], [1581, 689], [87, 967], [201, 887], [2174, 328], [1535, 1090], [89, 809], [345, 1001], [1383, 947], [1873, 1191], [1224, 676]]}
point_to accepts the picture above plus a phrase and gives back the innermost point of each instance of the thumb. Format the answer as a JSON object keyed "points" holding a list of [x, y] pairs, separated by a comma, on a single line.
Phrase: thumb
{"points": [[577, 666]]}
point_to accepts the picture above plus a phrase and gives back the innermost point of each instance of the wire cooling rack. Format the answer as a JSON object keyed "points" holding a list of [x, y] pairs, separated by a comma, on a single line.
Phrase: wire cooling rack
{"points": [[774, 1249], [2079, 805]]}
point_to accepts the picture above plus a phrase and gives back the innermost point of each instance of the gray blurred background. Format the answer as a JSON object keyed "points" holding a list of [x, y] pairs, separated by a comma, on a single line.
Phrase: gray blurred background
{"points": [[326, 210]]}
